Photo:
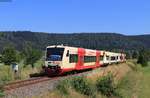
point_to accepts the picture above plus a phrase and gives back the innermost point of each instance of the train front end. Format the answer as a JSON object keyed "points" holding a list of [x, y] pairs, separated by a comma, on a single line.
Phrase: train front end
{"points": [[53, 60]]}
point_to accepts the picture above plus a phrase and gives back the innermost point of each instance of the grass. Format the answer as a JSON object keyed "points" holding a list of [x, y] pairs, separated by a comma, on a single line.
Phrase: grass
{"points": [[128, 85], [7, 73], [144, 91], [136, 84]]}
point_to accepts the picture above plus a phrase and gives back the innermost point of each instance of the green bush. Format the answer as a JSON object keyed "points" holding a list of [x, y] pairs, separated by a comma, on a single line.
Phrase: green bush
{"points": [[81, 85], [106, 86], [1, 90], [62, 88]]}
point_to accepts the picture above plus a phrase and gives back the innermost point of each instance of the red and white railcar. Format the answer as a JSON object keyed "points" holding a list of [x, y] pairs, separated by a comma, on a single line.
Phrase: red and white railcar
{"points": [[61, 59]]}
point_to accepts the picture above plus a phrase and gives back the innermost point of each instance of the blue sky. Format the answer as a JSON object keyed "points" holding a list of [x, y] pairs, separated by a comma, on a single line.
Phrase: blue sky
{"points": [[129, 17]]}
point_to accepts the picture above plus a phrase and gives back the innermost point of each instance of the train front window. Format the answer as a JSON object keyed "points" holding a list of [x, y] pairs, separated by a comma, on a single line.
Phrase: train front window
{"points": [[54, 54]]}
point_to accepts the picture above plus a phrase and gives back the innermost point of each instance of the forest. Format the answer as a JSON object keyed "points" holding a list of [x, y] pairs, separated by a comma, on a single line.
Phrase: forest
{"points": [[100, 41]]}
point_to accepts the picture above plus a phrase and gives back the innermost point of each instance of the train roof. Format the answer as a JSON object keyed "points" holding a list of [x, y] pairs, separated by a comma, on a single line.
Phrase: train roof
{"points": [[62, 46]]}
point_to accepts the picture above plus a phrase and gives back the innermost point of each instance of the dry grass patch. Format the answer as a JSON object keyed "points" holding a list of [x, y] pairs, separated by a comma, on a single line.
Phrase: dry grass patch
{"points": [[118, 71]]}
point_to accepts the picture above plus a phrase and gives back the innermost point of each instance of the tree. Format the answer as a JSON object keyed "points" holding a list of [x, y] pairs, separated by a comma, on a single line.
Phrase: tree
{"points": [[129, 54], [143, 57], [135, 54], [31, 55], [9, 55]]}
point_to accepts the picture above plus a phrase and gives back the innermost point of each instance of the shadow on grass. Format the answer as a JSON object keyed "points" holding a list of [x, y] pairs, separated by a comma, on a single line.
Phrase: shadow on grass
{"points": [[37, 74]]}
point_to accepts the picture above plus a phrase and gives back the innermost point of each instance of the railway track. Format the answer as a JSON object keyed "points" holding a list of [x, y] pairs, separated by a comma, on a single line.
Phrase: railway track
{"points": [[22, 83], [27, 82]]}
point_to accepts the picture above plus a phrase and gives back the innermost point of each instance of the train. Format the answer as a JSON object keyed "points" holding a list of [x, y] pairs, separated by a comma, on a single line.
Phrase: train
{"points": [[60, 59]]}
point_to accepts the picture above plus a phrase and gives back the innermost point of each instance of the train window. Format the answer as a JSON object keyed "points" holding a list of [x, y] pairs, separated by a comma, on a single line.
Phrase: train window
{"points": [[89, 59], [67, 53], [101, 58], [54, 54], [107, 57], [73, 58], [113, 58], [117, 57]]}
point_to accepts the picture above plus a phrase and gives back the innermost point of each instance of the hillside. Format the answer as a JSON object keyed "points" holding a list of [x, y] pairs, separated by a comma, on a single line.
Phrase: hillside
{"points": [[87, 40]]}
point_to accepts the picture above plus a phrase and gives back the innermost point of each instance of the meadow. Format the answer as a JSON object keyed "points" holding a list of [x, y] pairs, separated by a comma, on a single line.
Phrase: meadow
{"points": [[7, 74]]}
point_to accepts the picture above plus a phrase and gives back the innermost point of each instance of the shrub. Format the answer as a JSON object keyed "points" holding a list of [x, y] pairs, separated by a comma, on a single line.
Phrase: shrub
{"points": [[62, 88], [106, 86], [81, 85], [1, 90]]}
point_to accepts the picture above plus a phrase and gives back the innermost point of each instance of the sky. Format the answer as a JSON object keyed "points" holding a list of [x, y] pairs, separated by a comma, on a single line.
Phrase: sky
{"points": [[129, 17]]}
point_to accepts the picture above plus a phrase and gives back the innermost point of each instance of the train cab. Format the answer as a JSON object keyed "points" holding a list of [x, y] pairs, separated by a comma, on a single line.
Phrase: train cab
{"points": [[60, 59]]}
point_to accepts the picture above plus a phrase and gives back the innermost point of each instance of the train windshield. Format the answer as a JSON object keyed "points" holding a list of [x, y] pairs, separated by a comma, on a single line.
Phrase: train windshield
{"points": [[54, 54]]}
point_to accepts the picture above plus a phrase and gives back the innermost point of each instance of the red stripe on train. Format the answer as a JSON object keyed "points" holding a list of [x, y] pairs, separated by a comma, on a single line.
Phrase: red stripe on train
{"points": [[81, 54], [98, 53]]}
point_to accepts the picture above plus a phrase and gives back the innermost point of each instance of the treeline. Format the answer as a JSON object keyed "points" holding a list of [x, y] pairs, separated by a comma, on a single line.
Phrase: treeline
{"points": [[142, 55], [29, 55], [101, 41]]}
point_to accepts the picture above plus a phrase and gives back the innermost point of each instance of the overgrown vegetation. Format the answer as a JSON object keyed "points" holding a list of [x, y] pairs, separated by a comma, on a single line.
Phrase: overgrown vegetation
{"points": [[81, 85], [7, 73], [1, 90], [134, 83], [62, 87], [106, 86]]}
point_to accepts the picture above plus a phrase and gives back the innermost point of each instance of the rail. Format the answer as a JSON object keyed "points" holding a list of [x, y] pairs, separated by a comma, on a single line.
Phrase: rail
{"points": [[27, 82]]}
